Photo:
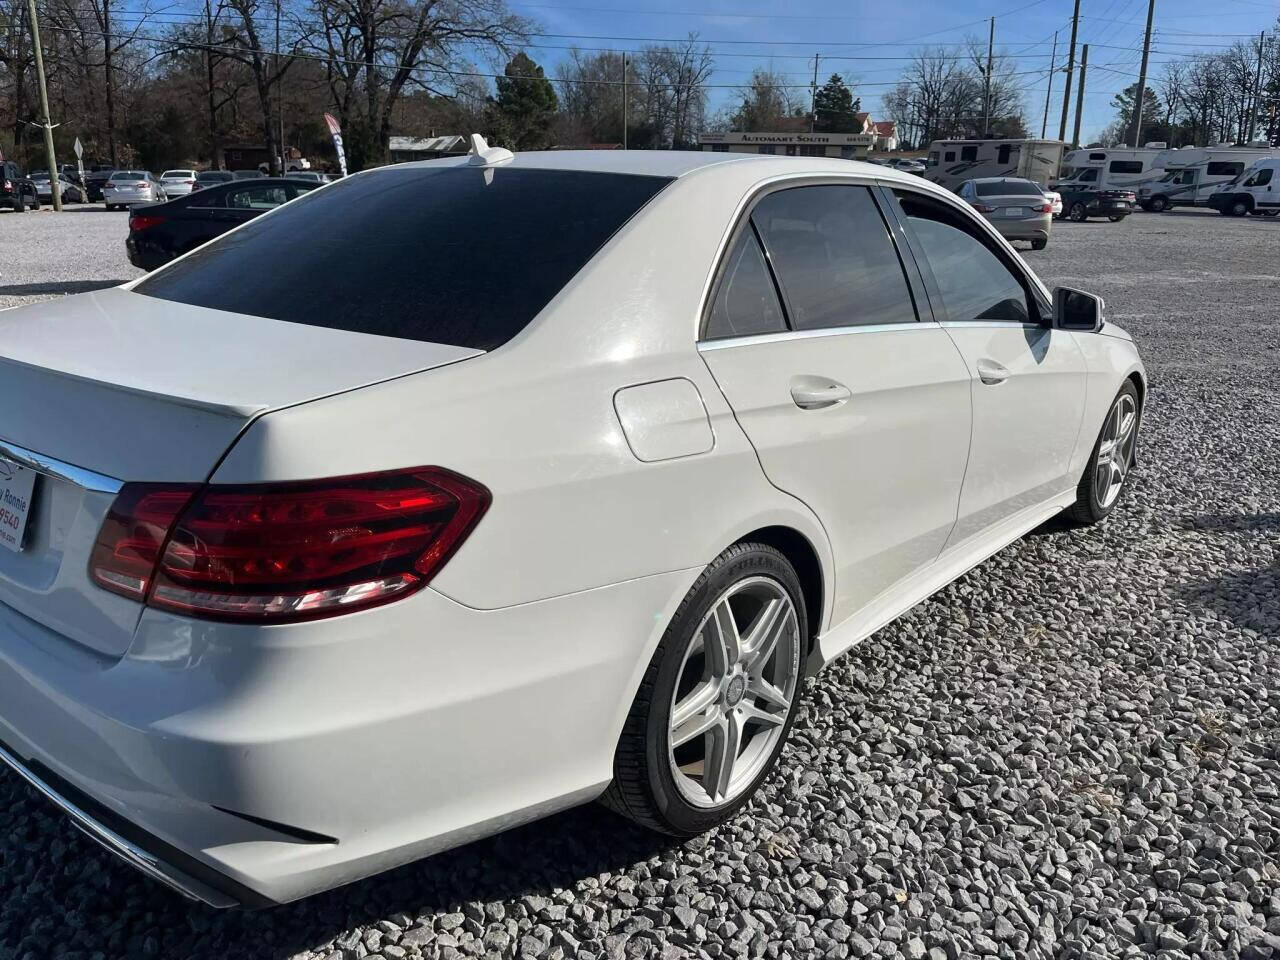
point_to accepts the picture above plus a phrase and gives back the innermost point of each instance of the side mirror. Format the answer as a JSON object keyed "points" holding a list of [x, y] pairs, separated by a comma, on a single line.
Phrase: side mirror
{"points": [[1077, 310]]}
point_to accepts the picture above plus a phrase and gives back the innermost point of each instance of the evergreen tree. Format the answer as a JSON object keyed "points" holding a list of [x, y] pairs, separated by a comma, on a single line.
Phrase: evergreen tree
{"points": [[835, 107], [525, 107]]}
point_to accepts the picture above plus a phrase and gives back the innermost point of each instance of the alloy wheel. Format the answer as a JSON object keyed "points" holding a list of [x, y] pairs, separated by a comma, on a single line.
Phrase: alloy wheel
{"points": [[734, 692], [1115, 450]]}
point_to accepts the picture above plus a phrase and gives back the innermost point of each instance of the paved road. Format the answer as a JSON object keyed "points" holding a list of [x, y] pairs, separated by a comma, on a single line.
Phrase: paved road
{"points": [[1073, 751]]}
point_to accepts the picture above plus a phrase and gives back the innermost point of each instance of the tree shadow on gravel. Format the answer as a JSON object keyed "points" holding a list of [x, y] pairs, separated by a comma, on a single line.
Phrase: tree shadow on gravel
{"points": [[1233, 522], [62, 286], [1250, 599]]}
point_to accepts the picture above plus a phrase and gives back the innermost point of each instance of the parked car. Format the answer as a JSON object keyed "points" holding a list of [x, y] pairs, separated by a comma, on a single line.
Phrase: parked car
{"points": [[71, 192], [247, 174], [315, 175], [1016, 207], [178, 183], [94, 182], [127, 187], [209, 178], [908, 165], [1081, 204], [533, 517], [1055, 202], [160, 232], [1255, 191], [17, 190]]}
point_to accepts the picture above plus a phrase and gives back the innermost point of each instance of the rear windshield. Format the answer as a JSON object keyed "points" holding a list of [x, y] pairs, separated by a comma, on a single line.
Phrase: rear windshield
{"points": [[129, 175], [450, 255], [1009, 188]]}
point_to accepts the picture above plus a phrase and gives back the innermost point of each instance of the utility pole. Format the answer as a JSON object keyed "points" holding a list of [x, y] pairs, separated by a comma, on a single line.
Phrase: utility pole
{"points": [[1071, 62], [1142, 77], [1084, 69], [986, 88], [1257, 89], [1048, 90], [44, 108], [813, 97], [280, 90], [624, 99]]}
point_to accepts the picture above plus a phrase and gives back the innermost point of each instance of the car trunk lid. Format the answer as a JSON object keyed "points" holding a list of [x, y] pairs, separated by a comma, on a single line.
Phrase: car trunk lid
{"points": [[114, 386]]}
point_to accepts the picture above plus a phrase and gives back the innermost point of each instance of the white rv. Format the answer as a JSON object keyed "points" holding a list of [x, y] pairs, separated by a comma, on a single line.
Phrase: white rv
{"points": [[951, 162], [1112, 168], [1193, 174], [1255, 191]]}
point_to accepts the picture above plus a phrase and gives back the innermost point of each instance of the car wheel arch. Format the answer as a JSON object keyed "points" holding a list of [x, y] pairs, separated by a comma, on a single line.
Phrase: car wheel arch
{"points": [[803, 557]]}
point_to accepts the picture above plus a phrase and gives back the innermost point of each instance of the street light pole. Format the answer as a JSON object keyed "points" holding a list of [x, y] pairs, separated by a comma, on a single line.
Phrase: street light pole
{"points": [[44, 109]]}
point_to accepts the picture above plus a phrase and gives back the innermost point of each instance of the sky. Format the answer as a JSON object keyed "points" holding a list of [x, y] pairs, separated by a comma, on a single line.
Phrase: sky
{"points": [[869, 43]]}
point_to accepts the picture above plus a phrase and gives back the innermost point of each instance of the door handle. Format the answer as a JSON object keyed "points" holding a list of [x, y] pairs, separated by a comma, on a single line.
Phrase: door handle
{"points": [[991, 372], [816, 393]]}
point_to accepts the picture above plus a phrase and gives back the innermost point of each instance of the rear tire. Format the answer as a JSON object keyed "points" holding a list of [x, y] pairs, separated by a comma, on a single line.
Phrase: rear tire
{"points": [[1114, 453], [1079, 212], [1039, 244], [35, 202], [738, 699], [1117, 217]]}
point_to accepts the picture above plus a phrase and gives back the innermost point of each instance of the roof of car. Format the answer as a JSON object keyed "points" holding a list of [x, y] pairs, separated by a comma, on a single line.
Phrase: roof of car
{"points": [[671, 163], [1001, 180]]}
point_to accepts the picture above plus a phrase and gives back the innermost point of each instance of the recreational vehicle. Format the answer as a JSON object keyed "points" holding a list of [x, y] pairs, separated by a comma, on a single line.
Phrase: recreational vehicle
{"points": [[951, 162], [1255, 191], [1112, 168], [1193, 174]]}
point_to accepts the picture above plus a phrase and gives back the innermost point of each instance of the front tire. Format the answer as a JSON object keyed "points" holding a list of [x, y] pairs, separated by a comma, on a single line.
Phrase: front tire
{"points": [[1158, 205], [1113, 457], [718, 699], [1079, 212], [1240, 207]]}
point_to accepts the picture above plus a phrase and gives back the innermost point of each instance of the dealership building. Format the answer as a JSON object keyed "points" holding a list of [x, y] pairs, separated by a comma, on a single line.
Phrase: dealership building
{"points": [[849, 146]]}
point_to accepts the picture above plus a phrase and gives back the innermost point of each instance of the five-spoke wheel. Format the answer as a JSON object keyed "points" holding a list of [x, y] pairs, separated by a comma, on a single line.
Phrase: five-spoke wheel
{"points": [[1113, 457]]}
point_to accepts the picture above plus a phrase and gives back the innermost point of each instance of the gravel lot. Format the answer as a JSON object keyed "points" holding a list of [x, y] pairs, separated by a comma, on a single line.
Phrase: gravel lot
{"points": [[1073, 751]]}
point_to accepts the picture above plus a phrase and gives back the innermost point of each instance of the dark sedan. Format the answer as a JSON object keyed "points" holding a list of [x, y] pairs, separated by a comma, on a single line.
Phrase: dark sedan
{"points": [[94, 181], [159, 232]]}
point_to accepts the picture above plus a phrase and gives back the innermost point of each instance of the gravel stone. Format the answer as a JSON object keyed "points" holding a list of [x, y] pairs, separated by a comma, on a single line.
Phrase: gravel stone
{"points": [[1071, 752]]}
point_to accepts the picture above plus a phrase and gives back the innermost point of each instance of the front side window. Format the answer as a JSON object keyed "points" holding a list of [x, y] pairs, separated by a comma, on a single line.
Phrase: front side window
{"points": [[747, 301], [452, 255], [1089, 176], [974, 281], [933, 159], [834, 258], [950, 156], [1125, 166], [1259, 179], [969, 153]]}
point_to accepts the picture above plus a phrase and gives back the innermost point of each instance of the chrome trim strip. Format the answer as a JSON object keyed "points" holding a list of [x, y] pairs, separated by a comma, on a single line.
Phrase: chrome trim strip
{"points": [[59, 469], [131, 853], [818, 332], [1004, 324]]}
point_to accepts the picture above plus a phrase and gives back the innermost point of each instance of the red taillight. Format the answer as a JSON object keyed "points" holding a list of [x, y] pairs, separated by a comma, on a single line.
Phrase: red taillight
{"points": [[287, 551], [141, 221], [1046, 208], [142, 184], [983, 208]]}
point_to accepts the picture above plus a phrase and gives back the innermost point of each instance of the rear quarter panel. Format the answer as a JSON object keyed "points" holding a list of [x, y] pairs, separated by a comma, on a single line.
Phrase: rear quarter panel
{"points": [[534, 421]]}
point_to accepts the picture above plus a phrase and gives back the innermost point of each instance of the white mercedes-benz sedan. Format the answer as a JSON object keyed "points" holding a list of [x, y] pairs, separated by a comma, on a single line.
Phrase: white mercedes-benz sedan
{"points": [[460, 492]]}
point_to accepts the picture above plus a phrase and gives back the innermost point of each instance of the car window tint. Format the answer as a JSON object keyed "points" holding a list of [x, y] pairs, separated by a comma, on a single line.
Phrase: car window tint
{"points": [[974, 282], [261, 196], [447, 255], [1225, 168], [969, 153], [833, 257], [1089, 176], [746, 302], [1259, 179], [1009, 188]]}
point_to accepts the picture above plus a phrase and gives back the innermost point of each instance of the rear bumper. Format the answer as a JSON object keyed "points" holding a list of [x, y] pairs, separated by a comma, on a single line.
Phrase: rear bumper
{"points": [[1036, 228], [250, 765]]}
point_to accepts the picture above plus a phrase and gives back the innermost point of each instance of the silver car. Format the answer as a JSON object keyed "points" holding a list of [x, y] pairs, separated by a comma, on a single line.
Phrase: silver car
{"points": [[127, 187], [177, 183], [1017, 208]]}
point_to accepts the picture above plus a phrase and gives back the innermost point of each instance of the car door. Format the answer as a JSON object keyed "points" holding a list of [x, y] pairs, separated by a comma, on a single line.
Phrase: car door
{"points": [[1261, 187], [1027, 379], [854, 404]]}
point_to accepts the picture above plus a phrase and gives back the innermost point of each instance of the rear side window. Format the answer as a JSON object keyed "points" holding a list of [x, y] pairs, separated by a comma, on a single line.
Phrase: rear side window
{"points": [[1225, 168], [975, 283], [261, 196], [1125, 166], [747, 302], [1002, 153], [451, 255], [951, 156], [834, 258]]}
